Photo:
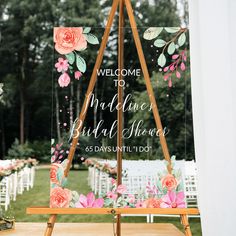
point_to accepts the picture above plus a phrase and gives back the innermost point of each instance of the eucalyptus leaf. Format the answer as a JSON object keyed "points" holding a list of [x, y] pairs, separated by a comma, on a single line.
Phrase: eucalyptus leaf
{"points": [[152, 32], [182, 39], [92, 39], [172, 29], [161, 60], [171, 48], [86, 30], [70, 57], [159, 43], [80, 63]]}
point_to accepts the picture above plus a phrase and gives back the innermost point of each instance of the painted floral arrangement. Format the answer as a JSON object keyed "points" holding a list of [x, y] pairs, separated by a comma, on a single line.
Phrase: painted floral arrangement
{"points": [[70, 42], [167, 193], [172, 53]]}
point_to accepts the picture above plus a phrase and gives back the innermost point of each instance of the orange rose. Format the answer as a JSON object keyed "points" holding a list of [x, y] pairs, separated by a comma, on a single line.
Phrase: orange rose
{"points": [[53, 173], [169, 181], [60, 197], [69, 39], [153, 203]]}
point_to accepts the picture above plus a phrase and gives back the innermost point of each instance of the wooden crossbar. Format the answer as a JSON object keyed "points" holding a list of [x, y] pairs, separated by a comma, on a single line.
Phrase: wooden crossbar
{"points": [[43, 210]]}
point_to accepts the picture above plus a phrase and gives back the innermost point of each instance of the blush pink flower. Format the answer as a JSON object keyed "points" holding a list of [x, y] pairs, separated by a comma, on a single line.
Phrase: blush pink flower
{"points": [[173, 200], [112, 195], [140, 204], [68, 39], [121, 189], [113, 181], [89, 201], [78, 74], [60, 197], [131, 198], [64, 80], [62, 65]]}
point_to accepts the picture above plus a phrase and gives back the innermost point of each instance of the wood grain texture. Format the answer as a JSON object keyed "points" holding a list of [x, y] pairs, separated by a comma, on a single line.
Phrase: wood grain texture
{"points": [[104, 211], [95, 229]]}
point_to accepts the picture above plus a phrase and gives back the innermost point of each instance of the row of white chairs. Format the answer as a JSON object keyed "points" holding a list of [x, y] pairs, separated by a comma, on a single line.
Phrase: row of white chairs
{"points": [[14, 184]]}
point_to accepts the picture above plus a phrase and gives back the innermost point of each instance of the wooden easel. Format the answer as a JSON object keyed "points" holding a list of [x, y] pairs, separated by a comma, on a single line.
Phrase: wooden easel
{"points": [[53, 212]]}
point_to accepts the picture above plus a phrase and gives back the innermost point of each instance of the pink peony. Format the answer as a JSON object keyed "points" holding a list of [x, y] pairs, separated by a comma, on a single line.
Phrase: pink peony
{"points": [[64, 80], [113, 181], [169, 182], [89, 201], [69, 39], [140, 204], [78, 74], [62, 65], [173, 200], [121, 189], [60, 197], [112, 195]]}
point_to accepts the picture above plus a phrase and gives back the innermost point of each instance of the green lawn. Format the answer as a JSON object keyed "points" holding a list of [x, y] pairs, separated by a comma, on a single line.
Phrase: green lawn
{"points": [[39, 196]]}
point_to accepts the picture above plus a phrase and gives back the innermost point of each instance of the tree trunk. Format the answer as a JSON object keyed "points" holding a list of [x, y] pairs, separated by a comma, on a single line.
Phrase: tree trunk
{"points": [[3, 142], [95, 108], [57, 114], [78, 98]]}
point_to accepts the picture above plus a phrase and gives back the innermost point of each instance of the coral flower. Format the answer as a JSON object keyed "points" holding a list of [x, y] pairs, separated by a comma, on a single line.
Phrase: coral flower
{"points": [[169, 181], [68, 39], [173, 200]]}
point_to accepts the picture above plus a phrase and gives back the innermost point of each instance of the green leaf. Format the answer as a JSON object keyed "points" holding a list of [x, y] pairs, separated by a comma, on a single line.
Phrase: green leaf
{"points": [[152, 33], [171, 48], [80, 63], [70, 57], [86, 30], [159, 43], [172, 29], [92, 39], [182, 39], [161, 60]]}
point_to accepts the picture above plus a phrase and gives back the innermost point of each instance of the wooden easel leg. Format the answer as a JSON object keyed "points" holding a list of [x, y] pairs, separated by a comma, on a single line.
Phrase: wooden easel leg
{"points": [[120, 101], [50, 225], [185, 223], [92, 83], [147, 81]]}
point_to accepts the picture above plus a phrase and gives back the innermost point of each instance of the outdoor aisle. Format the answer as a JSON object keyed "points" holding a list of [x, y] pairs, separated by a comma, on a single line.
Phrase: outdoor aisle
{"points": [[94, 229]]}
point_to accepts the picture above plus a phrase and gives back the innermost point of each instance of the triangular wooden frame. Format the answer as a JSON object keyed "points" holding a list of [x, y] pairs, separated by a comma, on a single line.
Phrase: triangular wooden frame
{"points": [[57, 211]]}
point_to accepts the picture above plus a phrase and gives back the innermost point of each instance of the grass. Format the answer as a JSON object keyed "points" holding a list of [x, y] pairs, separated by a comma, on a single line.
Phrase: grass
{"points": [[39, 196]]}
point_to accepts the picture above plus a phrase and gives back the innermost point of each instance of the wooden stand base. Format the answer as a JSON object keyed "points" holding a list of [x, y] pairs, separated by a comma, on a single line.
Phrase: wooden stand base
{"points": [[53, 212]]}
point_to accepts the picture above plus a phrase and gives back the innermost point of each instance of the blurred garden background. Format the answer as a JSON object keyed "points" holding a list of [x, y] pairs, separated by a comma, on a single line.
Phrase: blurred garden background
{"points": [[31, 100]]}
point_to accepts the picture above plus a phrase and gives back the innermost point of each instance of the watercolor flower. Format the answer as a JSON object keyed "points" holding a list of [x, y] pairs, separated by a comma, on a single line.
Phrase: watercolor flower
{"points": [[60, 197], [121, 189], [68, 39], [53, 173], [153, 203], [64, 80], [89, 201], [112, 195], [169, 182], [140, 204], [62, 65], [78, 74], [173, 200], [131, 198]]}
